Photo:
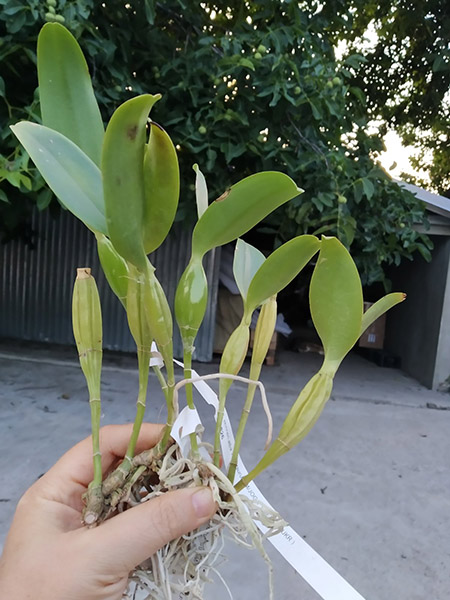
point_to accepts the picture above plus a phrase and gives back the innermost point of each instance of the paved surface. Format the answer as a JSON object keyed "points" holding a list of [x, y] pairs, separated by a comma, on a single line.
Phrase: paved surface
{"points": [[368, 488]]}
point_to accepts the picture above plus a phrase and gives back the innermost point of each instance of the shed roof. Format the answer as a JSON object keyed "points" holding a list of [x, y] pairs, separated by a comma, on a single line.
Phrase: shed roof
{"points": [[434, 202], [438, 208]]}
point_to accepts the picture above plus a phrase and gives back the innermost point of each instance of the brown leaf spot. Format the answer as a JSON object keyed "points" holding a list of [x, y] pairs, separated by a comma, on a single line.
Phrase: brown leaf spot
{"points": [[224, 195], [83, 273], [132, 132]]}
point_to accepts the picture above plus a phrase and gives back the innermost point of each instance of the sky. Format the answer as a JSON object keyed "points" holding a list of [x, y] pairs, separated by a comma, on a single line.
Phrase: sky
{"points": [[395, 152], [399, 154]]}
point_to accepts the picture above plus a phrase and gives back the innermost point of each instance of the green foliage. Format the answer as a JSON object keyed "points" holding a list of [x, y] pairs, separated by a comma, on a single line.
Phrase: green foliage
{"points": [[254, 88], [279, 269], [71, 110], [161, 187], [338, 322], [379, 308], [375, 221], [247, 260], [405, 72], [238, 210], [118, 204], [69, 173], [122, 167], [114, 267]]}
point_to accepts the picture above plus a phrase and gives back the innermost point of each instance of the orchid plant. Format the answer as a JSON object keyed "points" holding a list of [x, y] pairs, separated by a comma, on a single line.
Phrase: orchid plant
{"points": [[123, 184]]}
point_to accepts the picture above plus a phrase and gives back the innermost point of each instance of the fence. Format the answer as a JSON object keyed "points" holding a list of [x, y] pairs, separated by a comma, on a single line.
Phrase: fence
{"points": [[36, 284]]}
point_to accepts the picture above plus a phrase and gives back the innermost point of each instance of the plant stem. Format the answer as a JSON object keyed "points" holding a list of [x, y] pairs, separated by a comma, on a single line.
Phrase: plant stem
{"points": [[144, 367], [265, 327], [95, 404], [159, 321], [162, 381], [244, 481], [250, 476], [142, 335], [87, 329], [168, 361], [233, 357], [223, 376], [303, 414], [255, 370], [187, 358], [259, 468]]}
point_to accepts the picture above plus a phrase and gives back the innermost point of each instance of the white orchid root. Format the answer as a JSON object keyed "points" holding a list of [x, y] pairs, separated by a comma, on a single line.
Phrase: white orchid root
{"points": [[180, 570]]}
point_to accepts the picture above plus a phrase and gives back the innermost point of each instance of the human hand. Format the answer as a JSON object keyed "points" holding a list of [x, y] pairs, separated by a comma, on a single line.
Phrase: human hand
{"points": [[49, 555]]}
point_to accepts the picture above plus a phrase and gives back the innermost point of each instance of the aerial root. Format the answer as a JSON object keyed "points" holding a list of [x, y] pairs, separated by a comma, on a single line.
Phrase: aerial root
{"points": [[180, 570]]}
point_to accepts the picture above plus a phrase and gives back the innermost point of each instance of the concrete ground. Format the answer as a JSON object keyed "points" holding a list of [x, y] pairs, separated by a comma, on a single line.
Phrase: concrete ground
{"points": [[369, 488]]}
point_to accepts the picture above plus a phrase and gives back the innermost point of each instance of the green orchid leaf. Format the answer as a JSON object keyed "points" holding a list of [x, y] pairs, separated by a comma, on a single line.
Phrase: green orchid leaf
{"points": [[159, 317], [115, 268], [379, 308], [70, 174], [201, 191], [247, 260], [161, 187], [336, 301], [240, 208], [137, 314], [68, 103], [123, 177], [279, 269]]}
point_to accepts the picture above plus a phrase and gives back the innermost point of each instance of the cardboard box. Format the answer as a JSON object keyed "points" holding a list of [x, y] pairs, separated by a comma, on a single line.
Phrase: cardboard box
{"points": [[373, 337]]}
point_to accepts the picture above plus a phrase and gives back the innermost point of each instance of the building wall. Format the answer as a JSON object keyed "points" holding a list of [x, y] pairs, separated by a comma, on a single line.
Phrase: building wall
{"points": [[36, 285], [442, 367], [418, 330]]}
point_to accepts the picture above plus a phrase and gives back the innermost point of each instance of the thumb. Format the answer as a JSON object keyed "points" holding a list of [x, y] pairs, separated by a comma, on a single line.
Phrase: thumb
{"points": [[131, 537]]}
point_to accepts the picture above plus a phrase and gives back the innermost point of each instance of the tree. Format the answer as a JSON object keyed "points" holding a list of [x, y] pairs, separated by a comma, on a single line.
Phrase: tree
{"points": [[246, 87], [404, 71]]}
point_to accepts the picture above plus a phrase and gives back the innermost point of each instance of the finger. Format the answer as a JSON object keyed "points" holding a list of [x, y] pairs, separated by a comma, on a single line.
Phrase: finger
{"points": [[76, 465], [128, 539]]}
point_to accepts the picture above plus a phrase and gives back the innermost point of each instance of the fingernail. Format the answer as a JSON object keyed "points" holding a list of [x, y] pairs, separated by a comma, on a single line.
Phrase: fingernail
{"points": [[202, 501]]}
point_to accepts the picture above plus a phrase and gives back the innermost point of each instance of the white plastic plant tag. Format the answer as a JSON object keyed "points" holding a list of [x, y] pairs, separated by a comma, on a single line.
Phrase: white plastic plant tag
{"points": [[306, 561], [210, 396], [156, 359], [187, 422]]}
